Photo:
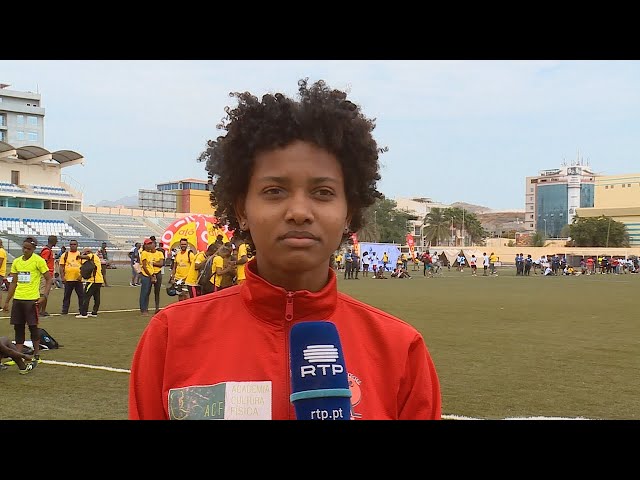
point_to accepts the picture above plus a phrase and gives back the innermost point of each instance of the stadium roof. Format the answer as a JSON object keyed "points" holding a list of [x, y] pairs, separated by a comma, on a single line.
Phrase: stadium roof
{"points": [[34, 154]]}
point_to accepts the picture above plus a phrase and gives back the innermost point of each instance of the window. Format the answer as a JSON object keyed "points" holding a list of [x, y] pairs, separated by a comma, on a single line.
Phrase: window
{"points": [[2, 136], [33, 121], [32, 136], [20, 119], [20, 135], [3, 121], [15, 177]]}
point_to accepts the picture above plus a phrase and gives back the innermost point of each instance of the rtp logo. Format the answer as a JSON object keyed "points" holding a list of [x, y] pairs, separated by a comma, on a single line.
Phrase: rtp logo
{"points": [[323, 360]]}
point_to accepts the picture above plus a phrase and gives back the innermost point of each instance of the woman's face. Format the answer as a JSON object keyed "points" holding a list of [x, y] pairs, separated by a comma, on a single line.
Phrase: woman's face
{"points": [[296, 209]]}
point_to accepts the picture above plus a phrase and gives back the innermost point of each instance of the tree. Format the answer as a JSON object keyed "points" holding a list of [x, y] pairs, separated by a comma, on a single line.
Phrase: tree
{"points": [[538, 240], [439, 222], [599, 231], [437, 227], [383, 222]]}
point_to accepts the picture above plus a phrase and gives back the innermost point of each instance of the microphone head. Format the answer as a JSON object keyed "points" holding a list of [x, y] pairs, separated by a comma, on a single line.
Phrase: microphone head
{"points": [[319, 381]]}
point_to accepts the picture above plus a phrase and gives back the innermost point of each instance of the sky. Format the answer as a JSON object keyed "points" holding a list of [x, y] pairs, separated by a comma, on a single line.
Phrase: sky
{"points": [[457, 131]]}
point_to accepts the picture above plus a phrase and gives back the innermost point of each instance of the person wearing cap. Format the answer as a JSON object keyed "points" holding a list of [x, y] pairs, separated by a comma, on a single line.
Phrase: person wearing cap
{"points": [[151, 263]]}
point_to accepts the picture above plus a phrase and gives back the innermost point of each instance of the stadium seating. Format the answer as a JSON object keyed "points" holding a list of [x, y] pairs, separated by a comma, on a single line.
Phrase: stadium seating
{"points": [[52, 227], [10, 187], [47, 190], [15, 226], [37, 227], [122, 228]]}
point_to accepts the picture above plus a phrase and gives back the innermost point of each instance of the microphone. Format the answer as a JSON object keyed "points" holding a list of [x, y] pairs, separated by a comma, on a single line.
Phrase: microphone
{"points": [[318, 373]]}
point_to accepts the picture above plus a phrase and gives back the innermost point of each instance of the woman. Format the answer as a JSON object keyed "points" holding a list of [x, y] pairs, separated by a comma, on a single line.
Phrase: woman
{"points": [[281, 175]]}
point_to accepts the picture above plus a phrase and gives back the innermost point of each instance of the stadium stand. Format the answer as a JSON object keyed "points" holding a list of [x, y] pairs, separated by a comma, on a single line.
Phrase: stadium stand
{"points": [[52, 227], [37, 227], [162, 223], [10, 187], [48, 190], [122, 229]]}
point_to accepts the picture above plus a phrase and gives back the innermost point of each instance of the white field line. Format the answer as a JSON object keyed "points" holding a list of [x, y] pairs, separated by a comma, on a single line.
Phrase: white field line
{"points": [[459, 417], [73, 314], [82, 365]]}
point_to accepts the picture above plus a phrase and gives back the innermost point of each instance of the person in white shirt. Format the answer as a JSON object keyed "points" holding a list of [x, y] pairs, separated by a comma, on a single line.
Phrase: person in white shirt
{"points": [[461, 262], [473, 264]]}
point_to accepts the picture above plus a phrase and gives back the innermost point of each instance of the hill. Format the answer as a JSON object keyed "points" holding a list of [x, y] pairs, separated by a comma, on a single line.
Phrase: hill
{"points": [[494, 220], [130, 201]]}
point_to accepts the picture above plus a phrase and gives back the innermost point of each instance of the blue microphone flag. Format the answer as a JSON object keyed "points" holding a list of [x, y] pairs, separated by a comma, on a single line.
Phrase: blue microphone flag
{"points": [[319, 381]]}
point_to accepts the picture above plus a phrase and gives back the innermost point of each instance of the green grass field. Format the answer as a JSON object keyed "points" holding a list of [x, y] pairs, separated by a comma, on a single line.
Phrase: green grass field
{"points": [[503, 346]]}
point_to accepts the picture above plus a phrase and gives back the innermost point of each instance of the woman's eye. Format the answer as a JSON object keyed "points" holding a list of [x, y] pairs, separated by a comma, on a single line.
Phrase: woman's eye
{"points": [[324, 192], [272, 191]]}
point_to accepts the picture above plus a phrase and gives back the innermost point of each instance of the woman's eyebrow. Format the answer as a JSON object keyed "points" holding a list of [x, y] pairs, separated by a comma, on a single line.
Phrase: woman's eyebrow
{"points": [[315, 180]]}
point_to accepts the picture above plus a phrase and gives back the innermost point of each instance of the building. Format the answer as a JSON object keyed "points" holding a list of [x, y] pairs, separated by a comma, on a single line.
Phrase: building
{"points": [[30, 175], [21, 118], [420, 207], [553, 197], [180, 196], [618, 196]]}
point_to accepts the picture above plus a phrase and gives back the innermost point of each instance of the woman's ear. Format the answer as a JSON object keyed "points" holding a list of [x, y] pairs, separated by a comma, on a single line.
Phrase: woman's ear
{"points": [[347, 223], [241, 215]]}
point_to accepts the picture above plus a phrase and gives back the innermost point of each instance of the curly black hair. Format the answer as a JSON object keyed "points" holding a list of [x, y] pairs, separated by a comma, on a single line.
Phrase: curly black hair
{"points": [[322, 116]]}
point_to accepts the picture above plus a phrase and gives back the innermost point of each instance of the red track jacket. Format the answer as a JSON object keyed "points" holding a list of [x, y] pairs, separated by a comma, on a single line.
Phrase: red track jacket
{"points": [[225, 355]]}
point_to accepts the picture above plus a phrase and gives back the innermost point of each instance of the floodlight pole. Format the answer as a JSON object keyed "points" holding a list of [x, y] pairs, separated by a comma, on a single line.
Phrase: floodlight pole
{"points": [[463, 227]]}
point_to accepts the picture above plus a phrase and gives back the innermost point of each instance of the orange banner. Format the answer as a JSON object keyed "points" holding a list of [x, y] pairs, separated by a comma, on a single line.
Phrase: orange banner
{"points": [[356, 245], [199, 230], [411, 246]]}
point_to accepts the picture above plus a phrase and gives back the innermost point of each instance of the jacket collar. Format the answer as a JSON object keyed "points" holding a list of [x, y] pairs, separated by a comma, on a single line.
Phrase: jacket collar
{"points": [[271, 303]]}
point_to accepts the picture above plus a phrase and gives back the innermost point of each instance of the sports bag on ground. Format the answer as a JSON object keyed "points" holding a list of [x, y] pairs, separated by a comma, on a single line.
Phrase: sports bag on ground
{"points": [[47, 340]]}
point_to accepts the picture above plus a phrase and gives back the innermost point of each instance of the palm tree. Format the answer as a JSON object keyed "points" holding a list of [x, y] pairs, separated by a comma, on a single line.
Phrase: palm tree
{"points": [[437, 227]]}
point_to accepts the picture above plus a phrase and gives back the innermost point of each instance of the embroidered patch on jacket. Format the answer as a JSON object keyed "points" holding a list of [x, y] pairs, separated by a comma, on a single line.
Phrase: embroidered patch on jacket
{"points": [[223, 401], [356, 394]]}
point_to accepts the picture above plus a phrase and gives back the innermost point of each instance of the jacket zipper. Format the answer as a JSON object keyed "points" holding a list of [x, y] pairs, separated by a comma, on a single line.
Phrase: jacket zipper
{"points": [[288, 311], [288, 315]]}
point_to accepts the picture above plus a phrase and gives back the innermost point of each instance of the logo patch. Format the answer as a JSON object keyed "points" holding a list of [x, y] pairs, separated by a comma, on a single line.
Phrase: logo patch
{"points": [[223, 401], [356, 394]]}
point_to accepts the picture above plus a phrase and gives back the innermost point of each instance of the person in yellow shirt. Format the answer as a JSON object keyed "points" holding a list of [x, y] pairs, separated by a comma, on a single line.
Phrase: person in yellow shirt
{"points": [[241, 258], [151, 263], [26, 272], [199, 261], [3, 267], [70, 274], [493, 258], [224, 268], [92, 287], [182, 266]]}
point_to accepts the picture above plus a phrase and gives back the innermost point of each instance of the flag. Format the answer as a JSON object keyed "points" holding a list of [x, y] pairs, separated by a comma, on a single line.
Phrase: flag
{"points": [[410, 243], [354, 239]]}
